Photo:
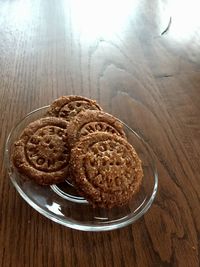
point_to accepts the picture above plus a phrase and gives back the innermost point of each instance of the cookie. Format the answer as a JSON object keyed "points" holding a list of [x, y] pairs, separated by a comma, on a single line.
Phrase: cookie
{"points": [[42, 153], [106, 169], [67, 107], [91, 121]]}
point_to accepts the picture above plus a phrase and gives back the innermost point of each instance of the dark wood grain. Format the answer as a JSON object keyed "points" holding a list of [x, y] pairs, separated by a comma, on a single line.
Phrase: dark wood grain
{"points": [[140, 60]]}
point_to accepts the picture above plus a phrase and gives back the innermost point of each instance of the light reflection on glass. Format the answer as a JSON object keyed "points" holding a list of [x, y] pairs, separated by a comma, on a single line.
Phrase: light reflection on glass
{"points": [[55, 208]]}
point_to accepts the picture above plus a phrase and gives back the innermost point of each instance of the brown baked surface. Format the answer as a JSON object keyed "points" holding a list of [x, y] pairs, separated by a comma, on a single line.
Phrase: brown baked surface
{"points": [[42, 153], [69, 106], [91, 121], [106, 169]]}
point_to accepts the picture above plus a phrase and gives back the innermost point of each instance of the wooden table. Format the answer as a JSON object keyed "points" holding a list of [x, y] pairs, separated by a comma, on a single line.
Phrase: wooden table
{"points": [[141, 61]]}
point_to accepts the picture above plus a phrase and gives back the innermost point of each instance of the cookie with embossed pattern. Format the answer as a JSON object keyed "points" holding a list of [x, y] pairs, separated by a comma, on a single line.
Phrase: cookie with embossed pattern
{"points": [[106, 169], [42, 152], [91, 121], [67, 107]]}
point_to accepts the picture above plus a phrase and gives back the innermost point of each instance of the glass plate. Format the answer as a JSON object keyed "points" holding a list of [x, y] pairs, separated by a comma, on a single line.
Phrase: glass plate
{"points": [[62, 204]]}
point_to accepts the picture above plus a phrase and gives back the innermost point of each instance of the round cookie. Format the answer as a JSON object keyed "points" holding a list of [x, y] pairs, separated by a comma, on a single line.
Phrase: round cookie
{"points": [[42, 153], [91, 121], [67, 107], [106, 169]]}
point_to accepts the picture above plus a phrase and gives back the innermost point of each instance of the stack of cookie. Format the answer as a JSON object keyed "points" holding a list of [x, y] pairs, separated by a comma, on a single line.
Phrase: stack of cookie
{"points": [[76, 140]]}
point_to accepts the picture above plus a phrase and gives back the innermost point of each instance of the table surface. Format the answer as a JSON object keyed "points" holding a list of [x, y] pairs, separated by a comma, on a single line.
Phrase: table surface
{"points": [[140, 60]]}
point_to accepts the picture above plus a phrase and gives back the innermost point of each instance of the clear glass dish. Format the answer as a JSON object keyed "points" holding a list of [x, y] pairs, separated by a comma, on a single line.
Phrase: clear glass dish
{"points": [[62, 204]]}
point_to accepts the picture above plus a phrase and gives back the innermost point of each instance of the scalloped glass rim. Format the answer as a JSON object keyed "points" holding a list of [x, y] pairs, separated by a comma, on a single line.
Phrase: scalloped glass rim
{"points": [[74, 224]]}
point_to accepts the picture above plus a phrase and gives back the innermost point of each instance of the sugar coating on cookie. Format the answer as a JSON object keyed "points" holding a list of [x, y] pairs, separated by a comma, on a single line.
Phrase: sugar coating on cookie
{"points": [[67, 107], [91, 121], [106, 169], [42, 151]]}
